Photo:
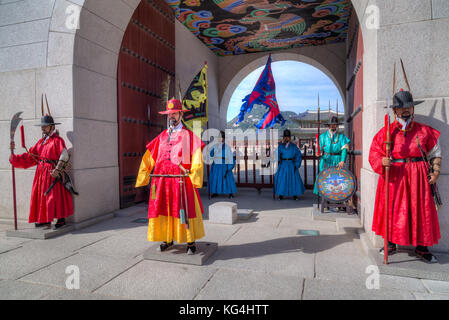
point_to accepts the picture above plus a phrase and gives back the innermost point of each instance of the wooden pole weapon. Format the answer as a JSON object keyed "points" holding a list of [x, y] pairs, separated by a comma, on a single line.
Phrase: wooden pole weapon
{"points": [[387, 182], [14, 123]]}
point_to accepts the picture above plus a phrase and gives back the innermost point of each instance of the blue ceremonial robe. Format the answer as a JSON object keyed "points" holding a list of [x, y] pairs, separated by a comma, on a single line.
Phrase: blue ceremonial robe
{"points": [[334, 150], [287, 181], [221, 177]]}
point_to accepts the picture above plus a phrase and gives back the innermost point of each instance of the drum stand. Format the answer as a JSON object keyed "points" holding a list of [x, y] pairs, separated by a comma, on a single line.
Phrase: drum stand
{"points": [[328, 204]]}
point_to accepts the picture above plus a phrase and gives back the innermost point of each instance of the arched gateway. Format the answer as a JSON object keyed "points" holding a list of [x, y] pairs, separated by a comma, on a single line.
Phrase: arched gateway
{"points": [[80, 71]]}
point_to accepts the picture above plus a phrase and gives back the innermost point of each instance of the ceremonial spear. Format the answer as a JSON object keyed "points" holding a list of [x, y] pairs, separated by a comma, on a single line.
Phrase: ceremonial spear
{"points": [[387, 169], [387, 182], [318, 143], [14, 123]]}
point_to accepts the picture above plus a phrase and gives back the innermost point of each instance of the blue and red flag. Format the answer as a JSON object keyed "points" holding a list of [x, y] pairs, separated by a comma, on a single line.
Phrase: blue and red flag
{"points": [[264, 93]]}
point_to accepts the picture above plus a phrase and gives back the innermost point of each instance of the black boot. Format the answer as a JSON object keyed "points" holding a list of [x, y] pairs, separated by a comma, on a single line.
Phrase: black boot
{"points": [[60, 223], [392, 248], [281, 198], [40, 225], [191, 248], [164, 246], [231, 196], [425, 254]]}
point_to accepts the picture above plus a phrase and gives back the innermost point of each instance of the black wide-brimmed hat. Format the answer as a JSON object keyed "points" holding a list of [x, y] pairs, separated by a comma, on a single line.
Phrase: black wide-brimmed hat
{"points": [[287, 133], [404, 99], [47, 121], [334, 120]]}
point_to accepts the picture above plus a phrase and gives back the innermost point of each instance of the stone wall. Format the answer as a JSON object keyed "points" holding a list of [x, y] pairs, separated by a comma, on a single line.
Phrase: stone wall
{"points": [[27, 70], [77, 68], [416, 31]]}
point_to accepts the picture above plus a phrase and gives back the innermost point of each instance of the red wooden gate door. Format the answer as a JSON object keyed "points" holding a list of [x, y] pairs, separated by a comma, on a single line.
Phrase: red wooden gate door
{"points": [[147, 57]]}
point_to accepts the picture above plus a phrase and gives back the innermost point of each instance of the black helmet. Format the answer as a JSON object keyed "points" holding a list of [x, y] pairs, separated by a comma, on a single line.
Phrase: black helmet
{"points": [[334, 120], [404, 99], [47, 121]]}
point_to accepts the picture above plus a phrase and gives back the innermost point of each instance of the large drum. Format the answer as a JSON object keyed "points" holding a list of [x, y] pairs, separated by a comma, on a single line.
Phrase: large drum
{"points": [[336, 185]]}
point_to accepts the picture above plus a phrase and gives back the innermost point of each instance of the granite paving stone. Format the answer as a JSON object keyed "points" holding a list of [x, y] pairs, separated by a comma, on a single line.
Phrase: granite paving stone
{"points": [[19, 290], [22, 261], [438, 287], [119, 246], [243, 285], [153, 280], [259, 258], [429, 296], [278, 253], [95, 270], [319, 289]]}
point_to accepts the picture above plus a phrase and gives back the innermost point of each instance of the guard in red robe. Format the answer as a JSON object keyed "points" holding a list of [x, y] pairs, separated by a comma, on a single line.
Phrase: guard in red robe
{"points": [[175, 209], [50, 156], [413, 218]]}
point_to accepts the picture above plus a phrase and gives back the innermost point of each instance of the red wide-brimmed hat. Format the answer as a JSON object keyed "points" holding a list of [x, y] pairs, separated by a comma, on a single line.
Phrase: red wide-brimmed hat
{"points": [[173, 106]]}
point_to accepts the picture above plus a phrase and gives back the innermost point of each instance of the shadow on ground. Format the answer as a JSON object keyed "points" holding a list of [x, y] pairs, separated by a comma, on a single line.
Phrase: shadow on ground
{"points": [[304, 244]]}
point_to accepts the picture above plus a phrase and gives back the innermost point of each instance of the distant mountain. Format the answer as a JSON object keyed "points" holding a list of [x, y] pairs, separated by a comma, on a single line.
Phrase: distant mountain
{"points": [[257, 114]]}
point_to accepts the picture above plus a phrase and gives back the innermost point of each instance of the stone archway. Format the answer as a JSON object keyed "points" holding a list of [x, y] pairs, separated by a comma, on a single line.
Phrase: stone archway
{"points": [[89, 58], [90, 55]]}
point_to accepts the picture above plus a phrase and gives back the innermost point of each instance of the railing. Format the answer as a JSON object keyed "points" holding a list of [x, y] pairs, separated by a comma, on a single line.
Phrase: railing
{"points": [[250, 172]]}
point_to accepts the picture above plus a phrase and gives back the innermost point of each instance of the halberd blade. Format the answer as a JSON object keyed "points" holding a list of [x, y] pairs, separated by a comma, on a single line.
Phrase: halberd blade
{"points": [[15, 123]]}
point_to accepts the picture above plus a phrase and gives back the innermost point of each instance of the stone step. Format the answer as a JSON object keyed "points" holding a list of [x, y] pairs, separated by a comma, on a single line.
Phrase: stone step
{"points": [[329, 215], [405, 263], [39, 233], [349, 225]]}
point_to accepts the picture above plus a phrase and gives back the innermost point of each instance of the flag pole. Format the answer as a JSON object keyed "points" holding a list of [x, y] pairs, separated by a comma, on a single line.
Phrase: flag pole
{"points": [[318, 154]]}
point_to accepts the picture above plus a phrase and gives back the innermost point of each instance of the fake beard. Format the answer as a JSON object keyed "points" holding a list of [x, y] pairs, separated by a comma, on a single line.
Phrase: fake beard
{"points": [[405, 121], [172, 123]]}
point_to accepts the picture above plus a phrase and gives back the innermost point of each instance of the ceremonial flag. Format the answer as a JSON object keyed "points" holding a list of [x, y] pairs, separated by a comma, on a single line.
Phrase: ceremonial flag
{"points": [[264, 93], [195, 100]]}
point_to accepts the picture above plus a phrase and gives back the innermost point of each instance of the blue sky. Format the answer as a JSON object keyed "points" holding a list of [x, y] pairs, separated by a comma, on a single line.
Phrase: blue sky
{"points": [[297, 88]]}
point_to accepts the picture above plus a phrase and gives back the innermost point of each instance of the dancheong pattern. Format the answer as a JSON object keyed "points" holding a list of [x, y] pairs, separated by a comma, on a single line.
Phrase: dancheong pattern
{"points": [[231, 27]]}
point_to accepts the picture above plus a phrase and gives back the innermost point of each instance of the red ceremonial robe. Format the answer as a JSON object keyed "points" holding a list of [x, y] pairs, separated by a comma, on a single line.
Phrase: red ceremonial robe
{"points": [[58, 203], [413, 218], [163, 157]]}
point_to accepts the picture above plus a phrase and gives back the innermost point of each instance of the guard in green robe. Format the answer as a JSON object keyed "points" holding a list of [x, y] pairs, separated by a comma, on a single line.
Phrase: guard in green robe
{"points": [[334, 148]]}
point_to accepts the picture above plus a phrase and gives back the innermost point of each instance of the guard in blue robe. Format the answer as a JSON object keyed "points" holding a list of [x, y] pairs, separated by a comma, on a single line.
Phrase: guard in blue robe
{"points": [[287, 181], [221, 177], [334, 148]]}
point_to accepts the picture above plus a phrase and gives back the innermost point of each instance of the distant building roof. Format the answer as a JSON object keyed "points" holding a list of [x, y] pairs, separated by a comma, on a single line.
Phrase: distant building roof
{"points": [[312, 115]]}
